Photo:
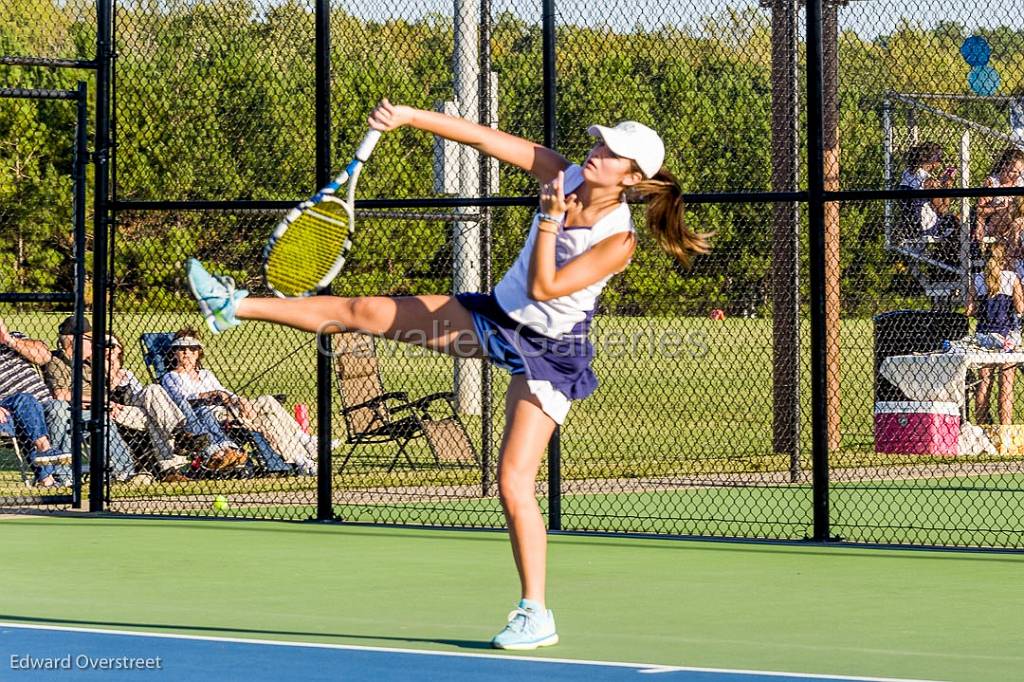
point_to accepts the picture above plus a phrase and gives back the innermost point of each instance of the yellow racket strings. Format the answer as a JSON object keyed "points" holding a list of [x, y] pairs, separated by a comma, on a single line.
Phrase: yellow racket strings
{"points": [[307, 251]]}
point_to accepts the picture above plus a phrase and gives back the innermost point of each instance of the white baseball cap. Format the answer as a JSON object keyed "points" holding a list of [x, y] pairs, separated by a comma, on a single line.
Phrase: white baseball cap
{"points": [[634, 141]]}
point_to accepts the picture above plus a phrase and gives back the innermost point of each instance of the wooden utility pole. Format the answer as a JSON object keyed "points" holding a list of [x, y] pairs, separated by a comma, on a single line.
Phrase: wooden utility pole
{"points": [[833, 273], [786, 235], [786, 225]]}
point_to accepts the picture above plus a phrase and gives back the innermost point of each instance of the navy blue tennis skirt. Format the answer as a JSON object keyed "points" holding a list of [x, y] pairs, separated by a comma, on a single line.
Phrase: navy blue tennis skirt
{"points": [[564, 363]]}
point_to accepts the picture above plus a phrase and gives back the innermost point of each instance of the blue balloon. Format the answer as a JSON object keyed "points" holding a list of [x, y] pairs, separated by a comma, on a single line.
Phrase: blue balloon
{"points": [[976, 51], [984, 80]]}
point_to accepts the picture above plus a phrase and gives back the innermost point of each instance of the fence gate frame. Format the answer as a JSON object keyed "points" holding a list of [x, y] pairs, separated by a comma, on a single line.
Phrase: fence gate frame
{"points": [[76, 297]]}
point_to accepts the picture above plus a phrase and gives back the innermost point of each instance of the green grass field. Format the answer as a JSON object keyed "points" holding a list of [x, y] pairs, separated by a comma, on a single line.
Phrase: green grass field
{"points": [[682, 401], [671, 388]]}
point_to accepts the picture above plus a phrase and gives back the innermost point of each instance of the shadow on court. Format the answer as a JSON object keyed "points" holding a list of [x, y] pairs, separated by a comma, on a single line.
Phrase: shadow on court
{"points": [[149, 627]]}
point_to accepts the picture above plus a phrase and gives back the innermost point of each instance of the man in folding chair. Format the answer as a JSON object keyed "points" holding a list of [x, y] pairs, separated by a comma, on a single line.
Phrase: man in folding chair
{"points": [[57, 375], [22, 415], [148, 409]]}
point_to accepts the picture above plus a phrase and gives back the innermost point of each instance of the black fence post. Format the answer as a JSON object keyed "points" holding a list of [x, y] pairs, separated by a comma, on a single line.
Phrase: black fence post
{"points": [[81, 161], [550, 130], [324, 404], [486, 379], [101, 217], [816, 242]]}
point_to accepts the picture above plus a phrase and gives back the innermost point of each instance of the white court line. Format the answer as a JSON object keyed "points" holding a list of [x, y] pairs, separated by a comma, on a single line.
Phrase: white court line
{"points": [[649, 668], [654, 670]]}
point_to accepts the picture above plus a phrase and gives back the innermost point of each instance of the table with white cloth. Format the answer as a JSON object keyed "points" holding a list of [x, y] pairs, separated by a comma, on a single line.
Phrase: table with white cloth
{"points": [[940, 377]]}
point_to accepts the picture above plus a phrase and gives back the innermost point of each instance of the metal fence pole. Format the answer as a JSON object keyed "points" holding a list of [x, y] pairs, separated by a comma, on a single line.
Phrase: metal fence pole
{"points": [[816, 220], [785, 238], [102, 216], [465, 236], [324, 404], [486, 105], [887, 168], [81, 161], [965, 217], [550, 130]]}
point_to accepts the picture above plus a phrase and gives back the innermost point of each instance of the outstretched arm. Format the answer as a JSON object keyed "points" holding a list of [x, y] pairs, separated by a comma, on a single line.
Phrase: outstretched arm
{"points": [[536, 159]]}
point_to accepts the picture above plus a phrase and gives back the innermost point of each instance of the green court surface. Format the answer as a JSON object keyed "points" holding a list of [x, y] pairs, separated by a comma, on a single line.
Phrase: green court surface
{"points": [[961, 511], [810, 609]]}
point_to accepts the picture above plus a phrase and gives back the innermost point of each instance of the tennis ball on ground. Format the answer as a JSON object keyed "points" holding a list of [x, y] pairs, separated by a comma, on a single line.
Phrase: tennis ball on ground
{"points": [[220, 503]]}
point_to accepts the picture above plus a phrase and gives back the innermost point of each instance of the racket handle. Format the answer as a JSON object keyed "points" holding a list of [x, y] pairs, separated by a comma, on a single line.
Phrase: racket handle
{"points": [[367, 145]]}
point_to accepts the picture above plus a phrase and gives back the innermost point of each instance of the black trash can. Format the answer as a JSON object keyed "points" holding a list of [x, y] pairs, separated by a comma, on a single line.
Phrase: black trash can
{"points": [[900, 332]]}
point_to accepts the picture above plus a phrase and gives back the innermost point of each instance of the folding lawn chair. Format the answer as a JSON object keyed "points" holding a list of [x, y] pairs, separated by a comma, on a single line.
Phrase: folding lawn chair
{"points": [[10, 443], [373, 416]]}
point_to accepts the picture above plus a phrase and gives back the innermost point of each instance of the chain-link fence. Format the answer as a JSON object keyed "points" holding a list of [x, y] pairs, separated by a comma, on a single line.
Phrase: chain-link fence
{"points": [[819, 374], [42, 216]]}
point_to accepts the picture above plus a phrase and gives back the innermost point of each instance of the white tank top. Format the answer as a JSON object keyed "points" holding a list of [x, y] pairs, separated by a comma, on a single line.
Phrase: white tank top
{"points": [[557, 317]]}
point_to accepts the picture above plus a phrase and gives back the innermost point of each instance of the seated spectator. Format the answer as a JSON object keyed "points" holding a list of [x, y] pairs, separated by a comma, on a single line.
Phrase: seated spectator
{"points": [[994, 215], [189, 383], [21, 390], [176, 432], [928, 226], [57, 375], [21, 416], [996, 298]]}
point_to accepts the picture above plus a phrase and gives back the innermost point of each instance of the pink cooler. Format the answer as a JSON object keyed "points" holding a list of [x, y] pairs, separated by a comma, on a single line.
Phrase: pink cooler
{"points": [[911, 428]]}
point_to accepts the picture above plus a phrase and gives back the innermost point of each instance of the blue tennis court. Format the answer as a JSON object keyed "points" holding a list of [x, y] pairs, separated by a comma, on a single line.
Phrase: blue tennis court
{"points": [[33, 652]]}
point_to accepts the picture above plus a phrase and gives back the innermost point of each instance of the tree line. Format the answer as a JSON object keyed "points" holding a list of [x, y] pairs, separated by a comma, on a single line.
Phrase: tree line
{"points": [[215, 100]]}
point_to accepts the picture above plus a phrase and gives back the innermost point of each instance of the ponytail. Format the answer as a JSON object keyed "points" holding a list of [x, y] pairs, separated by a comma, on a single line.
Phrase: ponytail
{"points": [[666, 217], [994, 268]]}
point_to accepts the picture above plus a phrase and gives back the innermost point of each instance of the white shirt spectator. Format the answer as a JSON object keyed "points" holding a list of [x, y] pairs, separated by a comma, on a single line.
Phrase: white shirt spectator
{"points": [[182, 387], [925, 212]]}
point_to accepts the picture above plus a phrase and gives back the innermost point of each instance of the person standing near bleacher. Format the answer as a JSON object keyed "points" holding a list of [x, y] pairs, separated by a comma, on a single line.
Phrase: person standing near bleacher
{"points": [[997, 300], [994, 215]]}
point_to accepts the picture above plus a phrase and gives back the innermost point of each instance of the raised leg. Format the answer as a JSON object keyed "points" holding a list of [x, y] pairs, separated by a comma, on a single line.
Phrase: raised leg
{"points": [[439, 323]]}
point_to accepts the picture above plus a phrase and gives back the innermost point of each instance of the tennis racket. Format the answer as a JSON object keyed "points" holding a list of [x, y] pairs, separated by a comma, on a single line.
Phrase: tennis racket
{"points": [[308, 247]]}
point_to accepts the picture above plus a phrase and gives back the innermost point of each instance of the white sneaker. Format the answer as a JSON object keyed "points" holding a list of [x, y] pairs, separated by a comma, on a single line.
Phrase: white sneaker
{"points": [[529, 627]]}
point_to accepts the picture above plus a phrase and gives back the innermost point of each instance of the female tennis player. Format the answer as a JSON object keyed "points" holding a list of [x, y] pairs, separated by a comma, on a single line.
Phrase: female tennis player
{"points": [[535, 324]]}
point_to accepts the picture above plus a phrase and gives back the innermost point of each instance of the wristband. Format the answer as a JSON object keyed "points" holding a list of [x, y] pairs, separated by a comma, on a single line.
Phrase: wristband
{"points": [[545, 217]]}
